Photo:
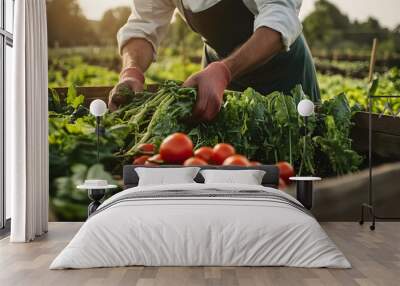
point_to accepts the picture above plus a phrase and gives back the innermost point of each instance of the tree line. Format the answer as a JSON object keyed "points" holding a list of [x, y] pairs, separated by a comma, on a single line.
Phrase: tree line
{"points": [[325, 28], [67, 26], [328, 28]]}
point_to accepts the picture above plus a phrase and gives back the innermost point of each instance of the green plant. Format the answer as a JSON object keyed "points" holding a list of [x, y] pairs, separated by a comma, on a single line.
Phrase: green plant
{"points": [[68, 202]]}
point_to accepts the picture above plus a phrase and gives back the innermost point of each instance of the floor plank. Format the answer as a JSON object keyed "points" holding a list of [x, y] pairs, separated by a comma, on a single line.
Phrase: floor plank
{"points": [[375, 257]]}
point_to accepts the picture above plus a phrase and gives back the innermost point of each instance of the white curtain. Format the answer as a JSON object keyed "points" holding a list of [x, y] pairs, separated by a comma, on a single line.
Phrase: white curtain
{"points": [[26, 124]]}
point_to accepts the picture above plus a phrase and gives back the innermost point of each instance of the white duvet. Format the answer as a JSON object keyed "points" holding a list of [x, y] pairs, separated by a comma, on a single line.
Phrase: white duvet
{"points": [[200, 231]]}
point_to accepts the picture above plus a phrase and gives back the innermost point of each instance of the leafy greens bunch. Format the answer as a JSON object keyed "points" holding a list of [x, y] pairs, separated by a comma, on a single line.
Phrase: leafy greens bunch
{"points": [[263, 128]]}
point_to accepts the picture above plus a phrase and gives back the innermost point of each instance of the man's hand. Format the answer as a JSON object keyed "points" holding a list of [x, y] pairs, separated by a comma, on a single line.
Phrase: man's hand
{"points": [[211, 84], [137, 55], [132, 79], [212, 81]]}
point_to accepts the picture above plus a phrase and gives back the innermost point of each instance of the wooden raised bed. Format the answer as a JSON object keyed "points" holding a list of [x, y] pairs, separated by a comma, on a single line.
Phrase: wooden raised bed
{"points": [[385, 134], [91, 93], [94, 92]]}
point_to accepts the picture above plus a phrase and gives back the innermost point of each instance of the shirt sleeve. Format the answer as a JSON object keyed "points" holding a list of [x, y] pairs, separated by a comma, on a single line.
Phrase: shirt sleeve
{"points": [[149, 20], [281, 16]]}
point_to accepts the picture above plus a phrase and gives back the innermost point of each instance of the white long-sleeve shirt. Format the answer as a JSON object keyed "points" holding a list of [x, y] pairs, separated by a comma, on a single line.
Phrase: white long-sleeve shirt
{"points": [[150, 18]]}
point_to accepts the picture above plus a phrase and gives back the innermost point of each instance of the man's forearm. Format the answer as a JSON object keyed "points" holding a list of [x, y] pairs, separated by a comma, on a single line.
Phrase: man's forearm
{"points": [[137, 53], [261, 47]]}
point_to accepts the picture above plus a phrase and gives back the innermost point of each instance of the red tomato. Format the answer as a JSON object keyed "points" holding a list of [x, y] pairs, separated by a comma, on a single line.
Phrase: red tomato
{"points": [[194, 161], [255, 163], [147, 148], [204, 153], [285, 171], [176, 148], [141, 160], [222, 151], [236, 160], [282, 184], [155, 160]]}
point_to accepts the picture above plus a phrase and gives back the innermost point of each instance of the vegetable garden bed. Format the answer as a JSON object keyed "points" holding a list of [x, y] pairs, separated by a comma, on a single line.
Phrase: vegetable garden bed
{"points": [[385, 129], [265, 128]]}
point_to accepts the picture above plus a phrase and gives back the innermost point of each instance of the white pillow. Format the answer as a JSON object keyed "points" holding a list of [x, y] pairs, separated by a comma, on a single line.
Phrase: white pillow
{"points": [[248, 177], [166, 176]]}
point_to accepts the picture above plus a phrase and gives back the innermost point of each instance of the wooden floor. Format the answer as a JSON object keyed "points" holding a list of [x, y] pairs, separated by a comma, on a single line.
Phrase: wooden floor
{"points": [[375, 257]]}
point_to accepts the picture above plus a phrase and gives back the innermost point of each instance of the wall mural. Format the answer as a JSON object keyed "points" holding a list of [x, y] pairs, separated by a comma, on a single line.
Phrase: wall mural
{"points": [[156, 126]]}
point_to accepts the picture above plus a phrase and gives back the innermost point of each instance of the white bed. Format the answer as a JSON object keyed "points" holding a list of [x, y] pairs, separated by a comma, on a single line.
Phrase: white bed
{"points": [[271, 229]]}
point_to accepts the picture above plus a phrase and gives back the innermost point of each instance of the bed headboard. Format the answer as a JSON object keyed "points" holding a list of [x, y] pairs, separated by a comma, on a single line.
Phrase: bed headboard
{"points": [[271, 177]]}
